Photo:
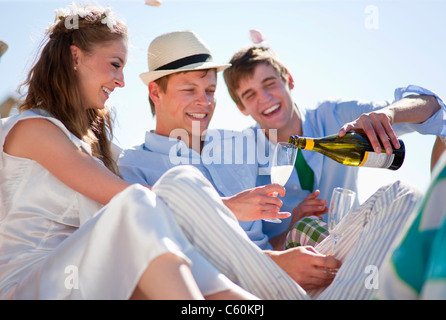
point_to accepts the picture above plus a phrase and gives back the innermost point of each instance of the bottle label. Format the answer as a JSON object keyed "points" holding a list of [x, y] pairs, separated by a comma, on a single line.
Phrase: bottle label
{"points": [[309, 144], [377, 160]]}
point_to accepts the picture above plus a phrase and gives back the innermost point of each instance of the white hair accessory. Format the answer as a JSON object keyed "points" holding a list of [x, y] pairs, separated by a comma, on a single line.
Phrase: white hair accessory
{"points": [[76, 11], [108, 18]]}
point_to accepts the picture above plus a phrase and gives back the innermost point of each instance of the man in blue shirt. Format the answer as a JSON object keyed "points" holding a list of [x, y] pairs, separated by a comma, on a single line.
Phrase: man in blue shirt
{"points": [[181, 82], [182, 98], [261, 85]]}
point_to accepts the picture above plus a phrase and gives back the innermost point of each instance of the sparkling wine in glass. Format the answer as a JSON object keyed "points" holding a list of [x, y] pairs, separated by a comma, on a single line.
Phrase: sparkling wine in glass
{"points": [[282, 166]]}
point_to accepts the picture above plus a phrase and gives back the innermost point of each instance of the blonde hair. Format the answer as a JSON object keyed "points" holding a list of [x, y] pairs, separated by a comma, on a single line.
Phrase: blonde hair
{"points": [[53, 85]]}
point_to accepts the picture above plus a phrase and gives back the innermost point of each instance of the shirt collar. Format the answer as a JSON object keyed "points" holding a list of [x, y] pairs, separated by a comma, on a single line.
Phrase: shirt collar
{"points": [[307, 127], [315, 158], [168, 146]]}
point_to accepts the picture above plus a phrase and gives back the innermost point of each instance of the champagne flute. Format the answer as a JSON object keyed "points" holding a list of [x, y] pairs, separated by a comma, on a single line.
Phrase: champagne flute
{"points": [[341, 203], [282, 166]]}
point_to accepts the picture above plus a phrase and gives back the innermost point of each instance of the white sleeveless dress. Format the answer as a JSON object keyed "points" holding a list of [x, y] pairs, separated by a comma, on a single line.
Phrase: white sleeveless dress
{"points": [[58, 244]]}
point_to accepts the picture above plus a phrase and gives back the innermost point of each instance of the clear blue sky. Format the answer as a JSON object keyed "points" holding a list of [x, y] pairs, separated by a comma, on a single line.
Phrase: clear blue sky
{"points": [[349, 49]]}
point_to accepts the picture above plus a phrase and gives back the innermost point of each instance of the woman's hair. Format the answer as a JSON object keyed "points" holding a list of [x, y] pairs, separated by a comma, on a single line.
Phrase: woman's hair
{"points": [[243, 65], [54, 87]]}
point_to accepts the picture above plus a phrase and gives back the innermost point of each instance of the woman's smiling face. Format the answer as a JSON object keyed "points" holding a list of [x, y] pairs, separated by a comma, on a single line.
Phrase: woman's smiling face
{"points": [[100, 71]]}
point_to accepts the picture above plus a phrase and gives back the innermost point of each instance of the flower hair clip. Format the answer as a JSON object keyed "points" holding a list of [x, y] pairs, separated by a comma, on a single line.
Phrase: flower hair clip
{"points": [[76, 11], [108, 18]]}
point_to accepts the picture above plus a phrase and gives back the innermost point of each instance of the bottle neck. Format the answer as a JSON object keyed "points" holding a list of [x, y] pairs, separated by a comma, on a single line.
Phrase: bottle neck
{"points": [[302, 143], [309, 144]]}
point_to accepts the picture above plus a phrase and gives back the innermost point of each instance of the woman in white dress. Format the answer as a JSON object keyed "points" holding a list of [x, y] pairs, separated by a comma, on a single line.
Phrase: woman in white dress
{"points": [[71, 228]]}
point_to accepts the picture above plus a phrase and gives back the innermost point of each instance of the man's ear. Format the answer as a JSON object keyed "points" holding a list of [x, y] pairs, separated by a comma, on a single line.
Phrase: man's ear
{"points": [[243, 110], [290, 81], [154, 92]]}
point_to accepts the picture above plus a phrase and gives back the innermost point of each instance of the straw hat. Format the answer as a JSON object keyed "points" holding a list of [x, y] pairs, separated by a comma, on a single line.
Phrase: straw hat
{"points": [[177, 52], [3, 48]]}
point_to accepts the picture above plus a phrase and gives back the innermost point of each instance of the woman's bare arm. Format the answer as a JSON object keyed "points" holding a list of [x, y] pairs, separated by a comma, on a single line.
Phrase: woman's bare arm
{"points": [[42, 141]]}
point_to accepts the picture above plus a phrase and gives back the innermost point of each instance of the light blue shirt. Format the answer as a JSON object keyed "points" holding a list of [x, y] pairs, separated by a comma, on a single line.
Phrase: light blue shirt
{"points": [[234, 161], [227, 161], [326, 120]]}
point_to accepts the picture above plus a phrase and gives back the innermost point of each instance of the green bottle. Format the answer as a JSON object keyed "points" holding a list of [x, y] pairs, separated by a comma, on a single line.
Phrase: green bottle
{"points": [[353, 149]]}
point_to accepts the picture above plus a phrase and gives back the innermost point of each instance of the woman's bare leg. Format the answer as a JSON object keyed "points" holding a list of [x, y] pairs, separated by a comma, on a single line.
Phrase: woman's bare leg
{"points": [[167, 277]]}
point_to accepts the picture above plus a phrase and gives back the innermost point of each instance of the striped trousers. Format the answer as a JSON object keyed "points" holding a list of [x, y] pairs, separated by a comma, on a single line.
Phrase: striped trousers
{"points": [[215, 232], [367, 237]]}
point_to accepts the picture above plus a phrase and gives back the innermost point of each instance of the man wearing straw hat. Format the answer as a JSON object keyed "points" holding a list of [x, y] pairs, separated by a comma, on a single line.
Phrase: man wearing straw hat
{"points": [[182, 82], [182, 58]]}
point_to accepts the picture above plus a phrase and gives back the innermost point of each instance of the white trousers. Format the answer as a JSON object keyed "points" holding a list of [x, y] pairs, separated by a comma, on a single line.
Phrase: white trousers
{"points": [[105, 257]]}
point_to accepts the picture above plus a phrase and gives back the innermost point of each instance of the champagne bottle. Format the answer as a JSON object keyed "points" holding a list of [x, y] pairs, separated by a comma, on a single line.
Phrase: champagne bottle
{"points": [[353, 149]]}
